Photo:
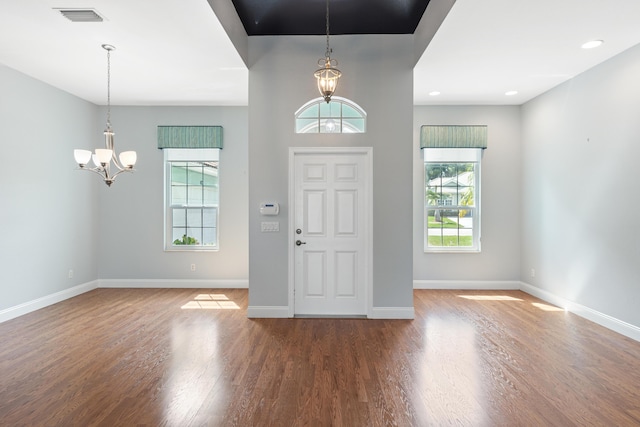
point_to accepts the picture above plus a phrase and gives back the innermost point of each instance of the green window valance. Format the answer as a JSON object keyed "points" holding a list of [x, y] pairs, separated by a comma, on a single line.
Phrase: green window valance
{"points": [[189, 137], [453, 136]]}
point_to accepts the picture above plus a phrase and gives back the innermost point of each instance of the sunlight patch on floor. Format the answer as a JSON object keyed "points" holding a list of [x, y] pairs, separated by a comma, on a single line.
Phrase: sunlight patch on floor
{"points": [[546, 307], [211, 302], [489, 297]]}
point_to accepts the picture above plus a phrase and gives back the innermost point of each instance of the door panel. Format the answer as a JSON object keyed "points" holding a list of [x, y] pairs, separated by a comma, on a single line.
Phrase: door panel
{"points": [[314, 274], [346, 274], [329, 208], [346, 172], [346, 210], [315, 172], [315, 208]]}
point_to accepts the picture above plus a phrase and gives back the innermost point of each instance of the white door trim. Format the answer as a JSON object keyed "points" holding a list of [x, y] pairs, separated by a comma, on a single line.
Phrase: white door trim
{"points": [[368, 194]]}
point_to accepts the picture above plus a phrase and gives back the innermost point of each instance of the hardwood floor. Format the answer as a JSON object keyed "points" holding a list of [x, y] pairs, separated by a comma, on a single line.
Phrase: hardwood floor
{"points": [[190, 357]]}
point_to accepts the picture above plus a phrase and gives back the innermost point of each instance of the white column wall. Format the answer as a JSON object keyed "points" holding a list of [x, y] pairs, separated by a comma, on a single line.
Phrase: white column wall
{"points": [[280, 81]]}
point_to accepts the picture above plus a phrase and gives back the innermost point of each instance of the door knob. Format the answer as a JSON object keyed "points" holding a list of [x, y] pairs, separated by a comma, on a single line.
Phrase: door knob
{"points": [[298, 243]]}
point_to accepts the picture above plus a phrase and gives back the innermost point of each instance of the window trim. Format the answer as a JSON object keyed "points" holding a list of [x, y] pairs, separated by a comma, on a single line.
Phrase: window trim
{"points": [[186, 155], [454, 155]]}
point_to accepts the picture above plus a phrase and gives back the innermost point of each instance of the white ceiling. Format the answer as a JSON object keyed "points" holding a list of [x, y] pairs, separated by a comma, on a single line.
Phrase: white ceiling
{"points": [[175, 52], [485, 48], [168, 52]]}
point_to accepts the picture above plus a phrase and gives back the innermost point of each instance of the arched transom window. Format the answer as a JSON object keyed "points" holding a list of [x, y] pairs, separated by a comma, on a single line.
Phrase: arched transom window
{"points": [[340, 115]]}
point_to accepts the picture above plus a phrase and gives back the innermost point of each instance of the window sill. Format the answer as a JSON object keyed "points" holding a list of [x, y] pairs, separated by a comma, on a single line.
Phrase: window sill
{"points": [[195, 249], [452, 251]]}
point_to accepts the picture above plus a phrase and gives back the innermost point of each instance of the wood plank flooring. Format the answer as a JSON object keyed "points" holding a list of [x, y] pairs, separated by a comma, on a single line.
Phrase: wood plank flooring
{"points": [[190, 357]]}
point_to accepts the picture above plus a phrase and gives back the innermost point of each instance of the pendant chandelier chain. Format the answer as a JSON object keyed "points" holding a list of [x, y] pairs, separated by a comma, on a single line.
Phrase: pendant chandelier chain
{"points": [[328, 52], [108, 88]]}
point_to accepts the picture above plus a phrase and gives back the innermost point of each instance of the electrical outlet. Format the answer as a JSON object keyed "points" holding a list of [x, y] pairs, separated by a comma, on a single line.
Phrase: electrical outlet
{"points": [[533, 272], [70, 274], [193, 267]]}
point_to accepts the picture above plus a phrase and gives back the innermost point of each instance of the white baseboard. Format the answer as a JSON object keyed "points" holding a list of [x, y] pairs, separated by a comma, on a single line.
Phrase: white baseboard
{"points": [[406, 313], [259, 312], [501, 285], [601, 319], [171, 283], [37, 304]]}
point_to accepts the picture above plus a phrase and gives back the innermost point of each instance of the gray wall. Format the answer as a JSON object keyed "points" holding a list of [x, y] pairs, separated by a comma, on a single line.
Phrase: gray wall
{"points": [[131, 211], [280, 81], [499, 259], [580, 228], [47, 220]]}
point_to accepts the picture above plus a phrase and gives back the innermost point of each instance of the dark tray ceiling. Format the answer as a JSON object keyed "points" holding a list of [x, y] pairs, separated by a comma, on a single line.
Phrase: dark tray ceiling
{"points": [[307, 17]]}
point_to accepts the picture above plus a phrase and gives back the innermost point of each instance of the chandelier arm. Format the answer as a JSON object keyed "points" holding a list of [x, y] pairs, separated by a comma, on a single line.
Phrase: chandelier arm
{"points": [[94, 170], [103, 172], [113, 177], [116, 162]]}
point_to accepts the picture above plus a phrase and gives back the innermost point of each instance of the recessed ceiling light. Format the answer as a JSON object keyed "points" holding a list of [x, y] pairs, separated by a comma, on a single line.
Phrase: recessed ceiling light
{"points": [[434, 93], [591, 44], [511, 92]]}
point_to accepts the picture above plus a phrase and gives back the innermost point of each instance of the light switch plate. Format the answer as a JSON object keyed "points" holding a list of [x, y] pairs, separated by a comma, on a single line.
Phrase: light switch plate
{"points": [[270, 226]]}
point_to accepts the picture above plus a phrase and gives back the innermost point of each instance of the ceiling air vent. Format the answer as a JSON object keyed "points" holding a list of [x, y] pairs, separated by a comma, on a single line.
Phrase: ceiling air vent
{"points": [[81, 15]]}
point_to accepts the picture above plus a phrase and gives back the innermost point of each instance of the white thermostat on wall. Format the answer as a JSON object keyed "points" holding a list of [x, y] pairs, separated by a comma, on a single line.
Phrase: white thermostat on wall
{"points": [[271, 208]]}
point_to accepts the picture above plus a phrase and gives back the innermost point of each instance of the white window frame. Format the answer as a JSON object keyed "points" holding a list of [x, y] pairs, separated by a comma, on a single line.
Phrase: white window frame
{"points": [[183, 155], [454, 155]]}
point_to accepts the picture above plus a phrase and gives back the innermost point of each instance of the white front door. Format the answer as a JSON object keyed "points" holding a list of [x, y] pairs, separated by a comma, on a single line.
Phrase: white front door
{"points": [[330, 233]]}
